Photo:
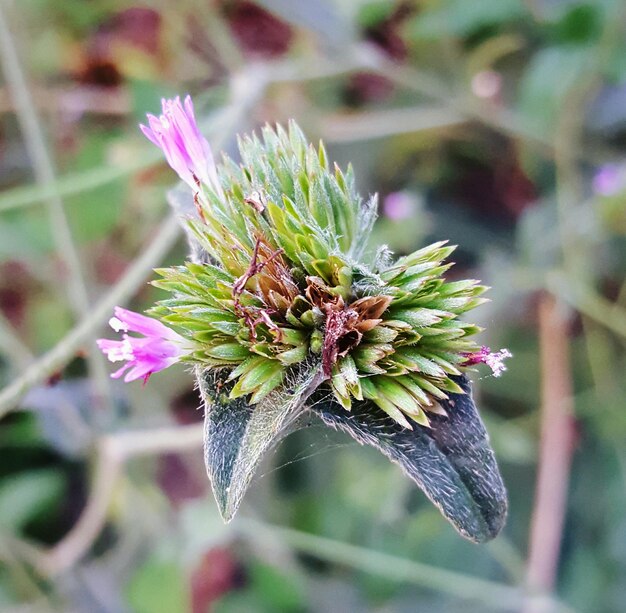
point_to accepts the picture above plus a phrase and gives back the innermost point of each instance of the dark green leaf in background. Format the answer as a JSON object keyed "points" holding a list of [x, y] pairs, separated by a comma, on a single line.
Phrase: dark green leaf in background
{"points": [[24, 496], [461, 18]]}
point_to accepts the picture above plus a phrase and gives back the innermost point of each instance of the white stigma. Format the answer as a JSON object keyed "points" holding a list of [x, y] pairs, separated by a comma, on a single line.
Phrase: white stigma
{"points": [[118, 325], [495, 361]]}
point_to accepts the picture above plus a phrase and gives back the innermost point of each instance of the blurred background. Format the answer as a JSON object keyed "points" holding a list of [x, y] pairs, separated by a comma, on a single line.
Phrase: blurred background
{"points": [[499, 124]]}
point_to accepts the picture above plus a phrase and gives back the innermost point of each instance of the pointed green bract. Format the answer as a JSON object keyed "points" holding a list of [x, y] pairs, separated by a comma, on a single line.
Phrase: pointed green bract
{"points": [[287, 282]]}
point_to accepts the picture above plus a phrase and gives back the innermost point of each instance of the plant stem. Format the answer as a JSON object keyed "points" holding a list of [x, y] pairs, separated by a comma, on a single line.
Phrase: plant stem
{"points": [[384, 123], [115, 450], [587, 301], [497, 596], [77, 182], [247, 88], [557, 444], [112, 453], [45, 177], [12, 345], [285, 72], [502, 120]]}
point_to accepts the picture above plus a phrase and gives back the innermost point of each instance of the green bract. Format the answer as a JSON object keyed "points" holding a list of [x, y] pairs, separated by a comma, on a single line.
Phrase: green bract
{"points": [[288, 282]]}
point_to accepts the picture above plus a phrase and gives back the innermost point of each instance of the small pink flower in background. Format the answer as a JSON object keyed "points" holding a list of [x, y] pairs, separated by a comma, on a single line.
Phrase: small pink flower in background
{"points": [[186, 150], [159, 348], [495, 359], [609, 180], [399, 205]]}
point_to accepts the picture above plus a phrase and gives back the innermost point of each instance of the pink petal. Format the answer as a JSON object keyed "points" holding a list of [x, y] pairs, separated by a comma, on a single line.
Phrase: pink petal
{"points": [[156, 124], [139, 371], [189, 107], [118, 373], [149, 326], [115, 350], [149, 134]]}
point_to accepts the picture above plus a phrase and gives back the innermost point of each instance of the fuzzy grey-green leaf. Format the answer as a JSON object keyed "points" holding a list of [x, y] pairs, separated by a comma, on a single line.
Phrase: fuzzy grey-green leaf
{"points": [[238, 433], [452, 461]]}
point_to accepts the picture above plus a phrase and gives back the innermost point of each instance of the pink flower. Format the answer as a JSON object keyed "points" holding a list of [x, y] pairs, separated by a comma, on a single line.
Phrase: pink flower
{"points": [[158, 348], [609, 180], [495, 360], [400, 205], [186, 150]]}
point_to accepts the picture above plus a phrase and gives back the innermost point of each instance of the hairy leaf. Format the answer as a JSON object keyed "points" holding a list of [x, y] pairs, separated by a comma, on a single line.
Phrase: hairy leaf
{"points": [[238, 434], [452, 462]]}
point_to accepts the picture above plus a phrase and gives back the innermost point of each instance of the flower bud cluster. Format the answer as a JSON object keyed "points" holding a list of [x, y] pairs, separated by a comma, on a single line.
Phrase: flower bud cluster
{"points": [[286, 282]]}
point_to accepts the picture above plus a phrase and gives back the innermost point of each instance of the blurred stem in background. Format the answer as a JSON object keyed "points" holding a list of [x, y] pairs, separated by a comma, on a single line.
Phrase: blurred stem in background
{"points": [[70, 265], [558, 426], [557, 443], [19, 355]]}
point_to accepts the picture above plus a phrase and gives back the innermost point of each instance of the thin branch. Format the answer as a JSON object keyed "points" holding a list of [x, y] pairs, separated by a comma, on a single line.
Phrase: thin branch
{"points": [[359, 57], [555, 454], [558, 428], [16, 351], [502, 120], [504, 551], [285, 71], [15, 556], [247, 88], [497, 596], [42, 164], [45, 177], [79, 181], [75, 100], [112, 453], [575, 244], [351, 127], [117, 449], [505, 121]]}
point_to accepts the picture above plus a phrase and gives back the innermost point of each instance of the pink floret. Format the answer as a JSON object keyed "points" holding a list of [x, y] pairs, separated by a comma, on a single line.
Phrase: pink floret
{"points": [[158, 348], [177, 134]]}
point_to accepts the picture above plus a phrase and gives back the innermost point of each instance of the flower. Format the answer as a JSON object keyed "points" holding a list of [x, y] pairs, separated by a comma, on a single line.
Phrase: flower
{"points": [[400, 205], [493, 359], [283, 290], [159, 348], [186, 150], [609, 180]]}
